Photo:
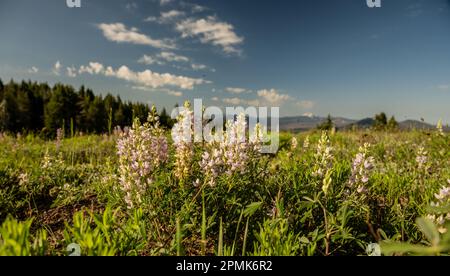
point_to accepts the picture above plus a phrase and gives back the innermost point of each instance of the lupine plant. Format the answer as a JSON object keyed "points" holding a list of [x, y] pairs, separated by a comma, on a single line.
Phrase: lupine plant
{"points": [[142, 191]]}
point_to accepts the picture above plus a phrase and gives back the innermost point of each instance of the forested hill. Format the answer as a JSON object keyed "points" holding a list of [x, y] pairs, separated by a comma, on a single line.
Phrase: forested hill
{"points": [[38, 107]]}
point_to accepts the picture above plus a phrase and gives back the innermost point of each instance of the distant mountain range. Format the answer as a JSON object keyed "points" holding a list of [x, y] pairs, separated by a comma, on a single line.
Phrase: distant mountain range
{"points": [[304, 123]]}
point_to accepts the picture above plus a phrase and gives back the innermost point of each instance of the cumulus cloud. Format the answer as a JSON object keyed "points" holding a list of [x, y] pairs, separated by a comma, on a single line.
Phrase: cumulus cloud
{"points": [[93, 68], [197, 8], [164, 2], [150, 60], [131, 6], [238, 101], [234, 101], [273, 97], [172, 57], [211, 31], [33, 70], [166, 17], [198, 67], [236, 90], [118, 32], [145, 78], [265, 97], [162, 58], [57, 68], [164, 90], [71, 72], [194, 8], [305, 104], [175, 93]]}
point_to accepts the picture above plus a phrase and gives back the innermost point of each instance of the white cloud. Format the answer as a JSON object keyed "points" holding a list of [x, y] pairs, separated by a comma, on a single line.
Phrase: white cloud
{"points": [[236, 90], [166, 17], [305, 104], [71, 72], [194, 8], [175, 93], [164, 2], [198, 67], [198, 8], [119, 33], [273, 97], [145, 78], [215, 99], [238, 101], [93, 68], [172, 57], [33, 70], [149, 60], [131, 6], [57, 68], [162, 58], [234, 101], [171, 14], [265, 97], [308, 114], [167, 91], [211, 31], [152, 19]]}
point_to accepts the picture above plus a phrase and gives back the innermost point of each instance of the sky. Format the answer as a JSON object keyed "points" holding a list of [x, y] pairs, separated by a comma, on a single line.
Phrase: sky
{"points": [[309, 57]]}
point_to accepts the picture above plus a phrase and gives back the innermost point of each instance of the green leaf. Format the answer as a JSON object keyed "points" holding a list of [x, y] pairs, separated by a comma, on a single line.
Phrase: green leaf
{"points": [[438, 209], [220, 249], [389, 248], [252, 208], [429, 230], [304, 240]]}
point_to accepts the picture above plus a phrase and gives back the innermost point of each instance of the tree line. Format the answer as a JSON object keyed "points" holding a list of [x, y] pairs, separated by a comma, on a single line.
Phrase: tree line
{"points": [[39, 108], [380, 122]]}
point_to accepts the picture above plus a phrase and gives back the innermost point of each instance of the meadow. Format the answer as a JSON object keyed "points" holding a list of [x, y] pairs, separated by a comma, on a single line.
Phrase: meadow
{"points": [[143, 192]]}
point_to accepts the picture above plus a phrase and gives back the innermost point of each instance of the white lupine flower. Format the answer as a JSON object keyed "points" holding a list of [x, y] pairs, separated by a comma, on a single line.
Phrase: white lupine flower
{"points": [[142, 150], [182, 135], [422, 157], [361, 169], [323, 157], [306, 142], [443, 200], [24, 179], [294, 143], [233, 154], [440, 128]]}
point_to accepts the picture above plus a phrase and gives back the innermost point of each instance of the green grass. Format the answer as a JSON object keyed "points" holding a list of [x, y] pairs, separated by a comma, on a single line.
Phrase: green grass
{"points": [[53, 195]]}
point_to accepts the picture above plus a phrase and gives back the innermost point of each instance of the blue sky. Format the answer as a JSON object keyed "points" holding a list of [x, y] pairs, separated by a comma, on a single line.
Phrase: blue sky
{"points": [[306, 56]]}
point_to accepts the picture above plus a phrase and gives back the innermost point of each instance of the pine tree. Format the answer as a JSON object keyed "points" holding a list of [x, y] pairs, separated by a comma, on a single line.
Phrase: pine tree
{"points": [[30, 106], [327, 125], [392, 124], [380, 121], [1, 90]]}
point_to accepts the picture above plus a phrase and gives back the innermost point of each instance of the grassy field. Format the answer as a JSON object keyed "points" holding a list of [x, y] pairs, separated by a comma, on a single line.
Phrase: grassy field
{"points": [[321, 194]]}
